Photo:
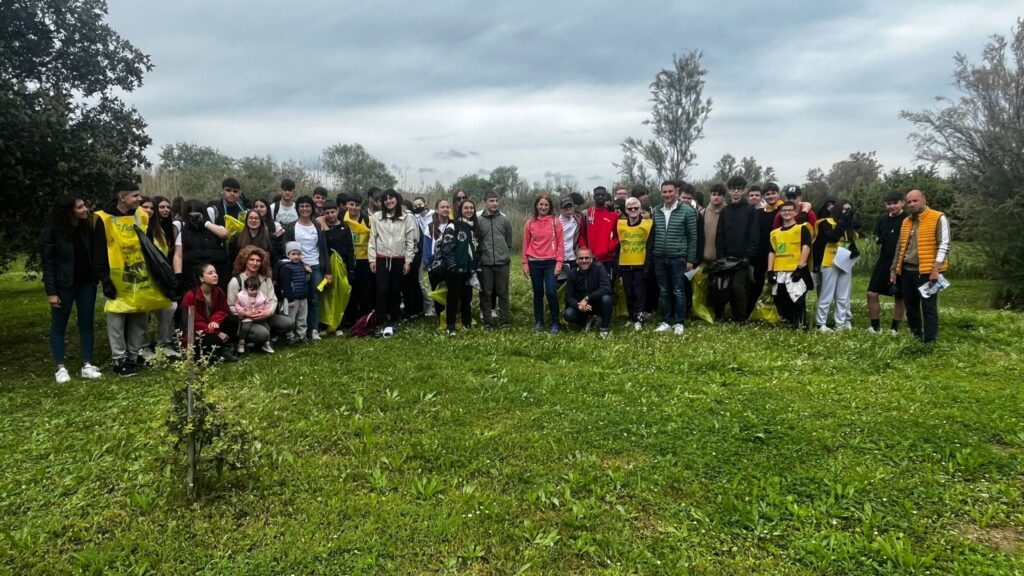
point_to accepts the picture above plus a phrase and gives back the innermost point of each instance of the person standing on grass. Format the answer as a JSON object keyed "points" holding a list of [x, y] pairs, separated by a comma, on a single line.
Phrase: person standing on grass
{"points": [[121, 270], [165, 237], [711, 215], [789, 250], [688, 196], [391, 250], [253, 262], [765, 222], [214, 325], [495, 258], [600, 224], [313, 245], [66, 250], [735, 240], [835, 230], [202, 241], [230, 204], [543, 255], [361, 300], [635, 239], [339, 238], [675, 254], [920, 259], [424, 217], [887, 236], [588, 294], [573, 229], [460, 253]]}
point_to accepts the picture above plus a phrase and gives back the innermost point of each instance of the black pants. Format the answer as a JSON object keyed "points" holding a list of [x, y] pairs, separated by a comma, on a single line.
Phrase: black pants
{"points": [[652, 294], [412, 294], [604, 308], [734, 295], [756, 287], [361, 301], [211, 344], [792, 313], [918, 308], [634, 284], [389, 290], [460, 299]]}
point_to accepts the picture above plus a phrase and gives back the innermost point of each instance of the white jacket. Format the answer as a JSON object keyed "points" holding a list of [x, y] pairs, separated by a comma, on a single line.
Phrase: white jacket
{"points": [[392, 238]]}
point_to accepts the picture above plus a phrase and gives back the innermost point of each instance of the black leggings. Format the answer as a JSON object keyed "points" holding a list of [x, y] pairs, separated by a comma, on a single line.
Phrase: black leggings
{"points": [[460, 299], [389, 290]]}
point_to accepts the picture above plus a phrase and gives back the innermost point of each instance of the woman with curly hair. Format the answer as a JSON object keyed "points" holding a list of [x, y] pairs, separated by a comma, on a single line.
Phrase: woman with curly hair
{"points": [[255, 261]]}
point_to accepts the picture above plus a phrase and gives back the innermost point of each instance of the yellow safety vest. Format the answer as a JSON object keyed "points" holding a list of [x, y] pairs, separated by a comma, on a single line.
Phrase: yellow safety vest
{"points": [[633, 242], [360, 237], [787, 248], [128, 272]]}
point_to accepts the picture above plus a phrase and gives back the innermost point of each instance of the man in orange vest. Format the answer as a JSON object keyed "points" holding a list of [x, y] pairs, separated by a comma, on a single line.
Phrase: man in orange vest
{"points": [[920, 258]]}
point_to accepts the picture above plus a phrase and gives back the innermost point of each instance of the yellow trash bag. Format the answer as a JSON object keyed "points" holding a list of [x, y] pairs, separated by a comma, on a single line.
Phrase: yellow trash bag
{"points": [[440, 295], [136, 292], [234, 225], [334, 298], [619, 292], [699, 285], [764, 310]]}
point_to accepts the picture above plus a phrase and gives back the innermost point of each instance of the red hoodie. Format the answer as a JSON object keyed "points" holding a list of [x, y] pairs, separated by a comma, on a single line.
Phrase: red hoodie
{"points": [[601, 233]]}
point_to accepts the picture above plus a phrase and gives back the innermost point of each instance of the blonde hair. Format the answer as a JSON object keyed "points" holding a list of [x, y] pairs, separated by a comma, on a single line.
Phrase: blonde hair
{"points": [[631, 201]]}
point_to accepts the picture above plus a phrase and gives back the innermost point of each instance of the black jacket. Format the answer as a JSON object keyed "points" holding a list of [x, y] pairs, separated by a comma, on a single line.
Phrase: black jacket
{"points": [[339, 238], [592, 285], [737, 234], [57, 253]]}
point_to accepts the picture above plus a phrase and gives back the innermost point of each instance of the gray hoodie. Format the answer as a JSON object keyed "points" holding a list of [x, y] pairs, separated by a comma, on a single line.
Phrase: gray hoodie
{"points": [[495, 239]]}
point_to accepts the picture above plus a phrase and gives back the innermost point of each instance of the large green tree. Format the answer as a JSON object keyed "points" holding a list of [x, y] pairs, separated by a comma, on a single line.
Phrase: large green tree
{"points": [[354, 169], [63, 126], [980, 136], [678, 113], [196, 171]]}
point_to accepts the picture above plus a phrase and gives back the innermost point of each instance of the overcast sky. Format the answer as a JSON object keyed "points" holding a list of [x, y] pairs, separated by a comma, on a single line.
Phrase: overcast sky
{"points": [[437, 90]]}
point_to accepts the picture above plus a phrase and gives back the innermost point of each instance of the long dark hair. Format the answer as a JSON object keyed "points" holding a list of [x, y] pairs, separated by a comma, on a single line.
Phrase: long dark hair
{"points": [[261, 238], [391, 193], [157, 230], [62, 215], [435, 220], [471, 221]]}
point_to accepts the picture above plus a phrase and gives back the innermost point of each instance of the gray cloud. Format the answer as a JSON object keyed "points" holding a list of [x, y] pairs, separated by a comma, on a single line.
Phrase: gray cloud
{"points": [[427, 171], [543, 85]]}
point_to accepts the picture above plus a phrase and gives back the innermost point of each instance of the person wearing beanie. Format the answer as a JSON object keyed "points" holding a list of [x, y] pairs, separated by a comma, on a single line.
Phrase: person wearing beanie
{"points": [[887, 236], [293, 277], [313, 245]]}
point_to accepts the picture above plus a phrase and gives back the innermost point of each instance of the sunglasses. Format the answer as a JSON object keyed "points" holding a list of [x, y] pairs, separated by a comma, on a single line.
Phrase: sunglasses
{"points": [[585, 258], [633, 208]]}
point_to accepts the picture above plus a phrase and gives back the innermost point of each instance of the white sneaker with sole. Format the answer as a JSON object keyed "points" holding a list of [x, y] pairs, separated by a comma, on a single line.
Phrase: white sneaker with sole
{"points": [[678, 329], [873, 331], [315, 336], [62, 376], [389, 331], [267, 348], [663, 327], [824, 329], [241, 347], [637, 326], [90, 372]]}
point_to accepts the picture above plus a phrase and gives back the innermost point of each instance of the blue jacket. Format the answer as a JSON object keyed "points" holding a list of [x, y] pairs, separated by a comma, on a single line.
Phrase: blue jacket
{"points": [[294, 280]]}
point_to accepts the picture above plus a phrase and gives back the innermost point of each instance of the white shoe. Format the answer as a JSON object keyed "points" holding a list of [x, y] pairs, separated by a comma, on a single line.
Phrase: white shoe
{"points": [[824, 329], [388, 332], [430, 313], [873, 331], [678, 329], [241, 347], [637, 326], [62, 376], [893, 332], [663, 327], [844, 327], [602, 334], [339, 332], [170, 352], [267, 348], [315, 337], [147, 354], [90, 372]]}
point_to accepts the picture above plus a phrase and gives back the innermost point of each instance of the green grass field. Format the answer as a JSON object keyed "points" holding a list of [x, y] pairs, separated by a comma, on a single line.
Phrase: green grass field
{"points": [[735, 450]]}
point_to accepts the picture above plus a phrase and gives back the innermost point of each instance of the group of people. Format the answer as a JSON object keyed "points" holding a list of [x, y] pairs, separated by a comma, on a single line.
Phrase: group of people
{"points": [[255, 272]]}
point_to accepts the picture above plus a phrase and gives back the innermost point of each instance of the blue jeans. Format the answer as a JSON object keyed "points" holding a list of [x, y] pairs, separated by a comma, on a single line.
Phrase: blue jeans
{"points": [[671, 274], [84, 298], [313, 317], [542, 277]]}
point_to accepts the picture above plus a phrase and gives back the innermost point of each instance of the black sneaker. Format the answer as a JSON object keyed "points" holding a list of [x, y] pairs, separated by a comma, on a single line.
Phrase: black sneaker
{"points": [[125, 369], [228, 355]]}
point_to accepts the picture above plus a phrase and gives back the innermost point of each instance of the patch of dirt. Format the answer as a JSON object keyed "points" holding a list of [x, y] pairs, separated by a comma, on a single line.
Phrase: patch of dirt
{"points": [[1001, 538]]}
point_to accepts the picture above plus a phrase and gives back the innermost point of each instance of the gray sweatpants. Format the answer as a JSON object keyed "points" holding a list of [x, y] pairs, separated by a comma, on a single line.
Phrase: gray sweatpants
{"points": [[298, 312], [835, 286], [494, 280], [126, 334]]}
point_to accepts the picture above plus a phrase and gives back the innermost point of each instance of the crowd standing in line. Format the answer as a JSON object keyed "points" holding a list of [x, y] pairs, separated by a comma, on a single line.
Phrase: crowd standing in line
{"points": [[256, 272]]}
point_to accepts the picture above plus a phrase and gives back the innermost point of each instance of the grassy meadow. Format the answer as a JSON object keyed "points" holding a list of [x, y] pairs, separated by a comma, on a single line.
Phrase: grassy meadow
{"points": [[733, 450]]}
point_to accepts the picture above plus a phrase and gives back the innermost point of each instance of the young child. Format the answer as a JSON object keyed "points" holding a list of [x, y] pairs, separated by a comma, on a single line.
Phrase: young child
{"points": [[251, 303], [293, 277]]}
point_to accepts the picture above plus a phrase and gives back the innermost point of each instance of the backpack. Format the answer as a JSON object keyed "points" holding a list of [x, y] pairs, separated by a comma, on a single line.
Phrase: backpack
{"points": [[364, 326]]}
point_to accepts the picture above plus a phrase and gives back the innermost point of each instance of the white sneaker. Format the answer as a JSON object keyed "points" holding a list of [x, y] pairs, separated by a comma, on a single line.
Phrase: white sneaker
{"points": [[241, 347], [147, 354], [315, 337], [389, 331], [824, 329], [873, 331], [602, 334], [893, 332], [267, 348], [62, 376], [170, 352], [339, 332], [90, 372], [663, 327], [844, 327], [678, 329], [637, 326]]}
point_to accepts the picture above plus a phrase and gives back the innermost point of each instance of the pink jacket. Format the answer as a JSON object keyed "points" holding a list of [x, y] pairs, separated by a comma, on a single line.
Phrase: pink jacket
{"points": [[542, 240], [250, 305]]}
